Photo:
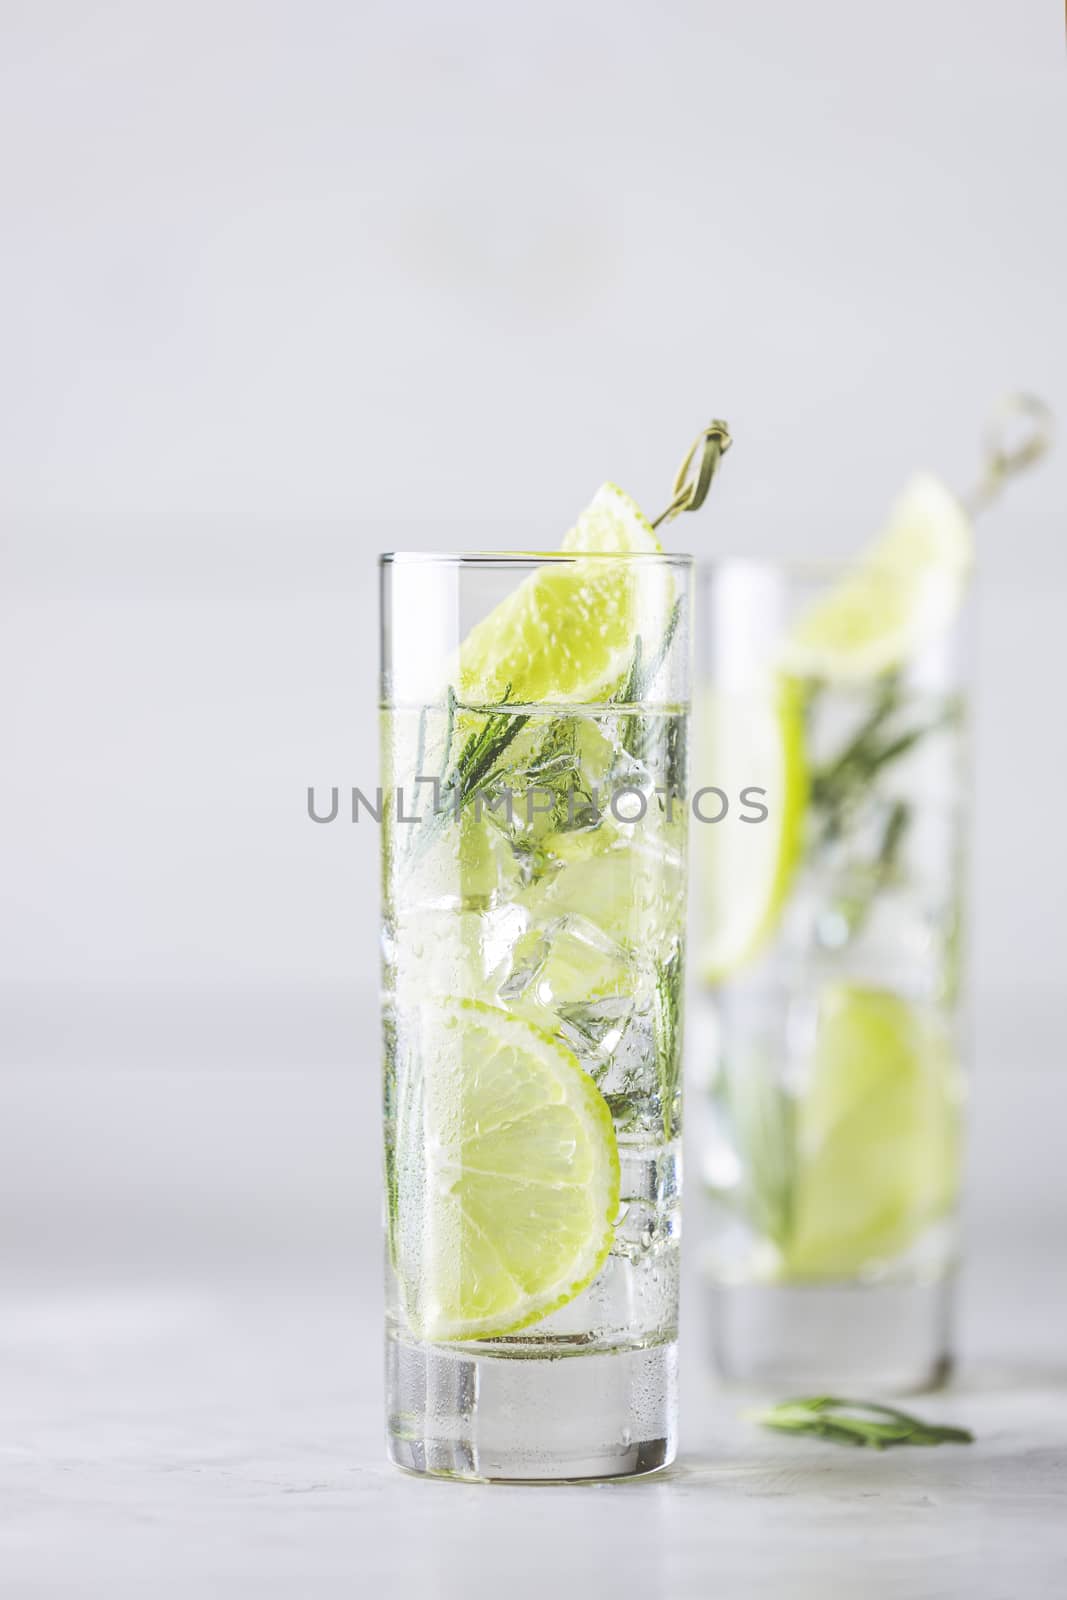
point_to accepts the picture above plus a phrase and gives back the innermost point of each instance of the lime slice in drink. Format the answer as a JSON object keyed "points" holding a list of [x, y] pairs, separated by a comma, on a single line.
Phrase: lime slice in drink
{"points": [[567, 632], [510, 1172], [902, 595], [876, 1134], [751, 740]]}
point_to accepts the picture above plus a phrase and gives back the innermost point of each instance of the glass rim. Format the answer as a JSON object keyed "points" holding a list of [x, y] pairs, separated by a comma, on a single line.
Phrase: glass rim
{"points": [[815, 569], [526, 558]]}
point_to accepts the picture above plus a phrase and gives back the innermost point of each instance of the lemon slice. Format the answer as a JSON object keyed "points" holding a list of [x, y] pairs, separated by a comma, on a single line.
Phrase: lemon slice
{"points": [[509, 1183], [567, 632], [902, 596], [877, 1137], [750, 740]]}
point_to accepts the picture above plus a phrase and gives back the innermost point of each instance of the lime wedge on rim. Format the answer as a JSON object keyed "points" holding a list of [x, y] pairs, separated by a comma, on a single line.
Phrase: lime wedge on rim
{"points": [[510, 1176], [877, 1133], [567, 632], [750, 739], [901, 596], [612, 522]]}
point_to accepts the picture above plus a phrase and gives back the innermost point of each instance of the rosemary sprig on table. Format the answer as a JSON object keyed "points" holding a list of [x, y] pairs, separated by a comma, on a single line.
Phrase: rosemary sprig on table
{"points": [[844, 1422]]}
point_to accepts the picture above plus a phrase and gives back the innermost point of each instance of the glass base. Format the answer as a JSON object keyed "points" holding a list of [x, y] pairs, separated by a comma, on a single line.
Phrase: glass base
{"points": [[861, 1340], [601, 1414]]}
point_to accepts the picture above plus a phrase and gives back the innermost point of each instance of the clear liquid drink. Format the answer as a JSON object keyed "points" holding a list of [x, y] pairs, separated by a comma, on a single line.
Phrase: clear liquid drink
{"points": [[533, 948], [831, 1044]]}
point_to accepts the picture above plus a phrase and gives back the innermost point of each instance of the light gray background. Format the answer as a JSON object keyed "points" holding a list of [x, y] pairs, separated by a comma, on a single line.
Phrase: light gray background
{"points": [[286, 284]]}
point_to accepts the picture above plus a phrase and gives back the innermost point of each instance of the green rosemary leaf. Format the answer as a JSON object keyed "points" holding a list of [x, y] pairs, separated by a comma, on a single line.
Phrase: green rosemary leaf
{"points": [[481, 753], [629, 690], [642, 675], [843, 780], [841, 786], [676, 762], [827, 780], [667, 1014], [473, 769], [862, 1423], [884, 754], [652, 672], [639, 732], [897, 824]]}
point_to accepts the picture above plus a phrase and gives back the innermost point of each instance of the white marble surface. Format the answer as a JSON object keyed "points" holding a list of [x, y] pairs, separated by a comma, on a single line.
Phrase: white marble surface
{"points": [[252, 248], [190, 1379], [224, 1438]]}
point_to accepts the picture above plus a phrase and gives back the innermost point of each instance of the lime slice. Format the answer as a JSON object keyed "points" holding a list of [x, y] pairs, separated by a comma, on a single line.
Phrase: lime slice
{"points": [[510, 1176], [612, 522], [902, 596], [567, 632], [751, 739], [876, 1149]]}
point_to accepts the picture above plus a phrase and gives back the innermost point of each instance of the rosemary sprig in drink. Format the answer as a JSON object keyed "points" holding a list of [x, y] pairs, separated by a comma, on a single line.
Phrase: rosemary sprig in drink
{"points": [[473, 769], [842, 784], [667, 1012]]}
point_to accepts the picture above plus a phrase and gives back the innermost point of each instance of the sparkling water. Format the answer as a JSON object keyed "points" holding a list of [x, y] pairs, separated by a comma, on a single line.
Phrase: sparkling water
{"points": [[825, 1173], [539, 867]]}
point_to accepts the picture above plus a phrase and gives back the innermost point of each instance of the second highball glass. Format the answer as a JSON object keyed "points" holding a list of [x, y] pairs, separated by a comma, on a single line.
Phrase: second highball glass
{"points": [[830, 1043]]}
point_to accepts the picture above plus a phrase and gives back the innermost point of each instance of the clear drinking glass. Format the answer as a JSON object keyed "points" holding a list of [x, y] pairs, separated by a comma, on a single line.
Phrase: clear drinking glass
{"points": [[829, 909], [534, 856]]}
